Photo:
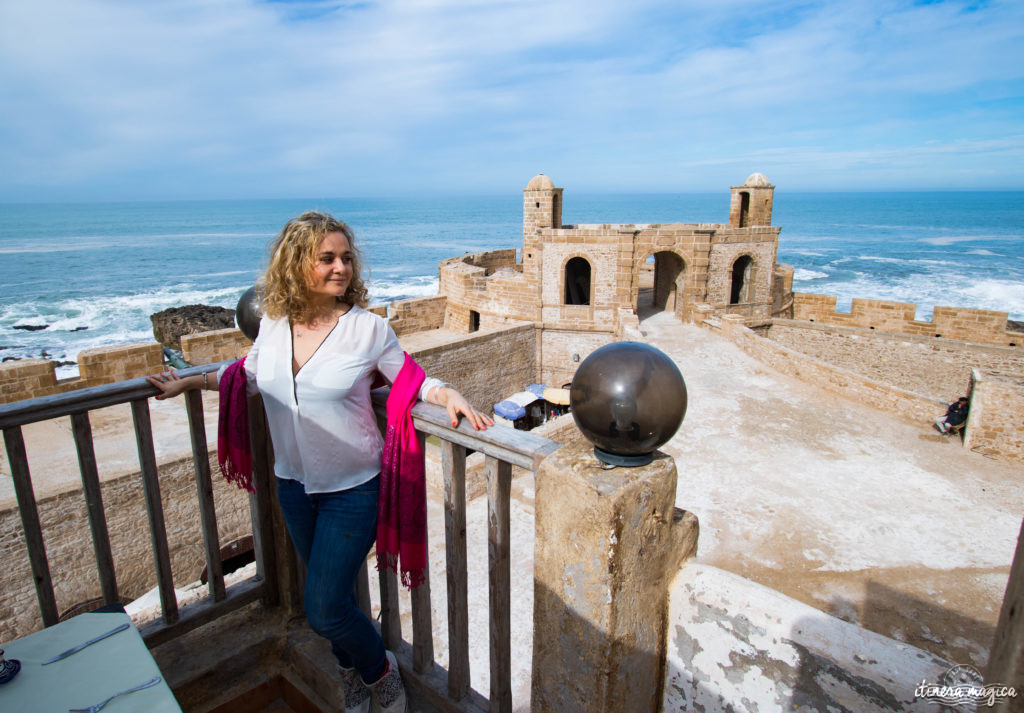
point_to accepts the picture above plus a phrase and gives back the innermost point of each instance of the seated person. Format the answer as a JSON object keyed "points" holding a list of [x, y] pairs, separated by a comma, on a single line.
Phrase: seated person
{"points": [[955, 416]]}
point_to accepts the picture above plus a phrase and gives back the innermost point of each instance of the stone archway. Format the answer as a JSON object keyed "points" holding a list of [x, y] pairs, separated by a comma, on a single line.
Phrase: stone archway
{"points": [[662, 290]]}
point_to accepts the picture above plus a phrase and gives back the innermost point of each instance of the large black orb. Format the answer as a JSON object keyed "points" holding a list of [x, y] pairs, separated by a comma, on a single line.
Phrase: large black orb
{"points": [[628, 398], [248, 313]]}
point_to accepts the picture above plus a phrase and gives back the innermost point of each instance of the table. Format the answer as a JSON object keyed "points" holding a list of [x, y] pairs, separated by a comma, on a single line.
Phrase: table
{"points": [[118, 662]]}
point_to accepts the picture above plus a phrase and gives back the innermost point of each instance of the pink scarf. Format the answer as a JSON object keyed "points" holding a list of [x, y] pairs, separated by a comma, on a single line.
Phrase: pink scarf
{"points": [[402, 505], [233, 451]]}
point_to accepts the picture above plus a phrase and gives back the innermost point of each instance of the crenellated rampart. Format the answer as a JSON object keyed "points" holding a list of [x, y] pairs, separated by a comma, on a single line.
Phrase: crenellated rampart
{"points": [[28, 378], [961, 323]]}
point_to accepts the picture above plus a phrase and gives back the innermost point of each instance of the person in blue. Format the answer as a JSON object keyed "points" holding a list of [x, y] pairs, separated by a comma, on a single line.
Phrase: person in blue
{"points": [[955, 416]]}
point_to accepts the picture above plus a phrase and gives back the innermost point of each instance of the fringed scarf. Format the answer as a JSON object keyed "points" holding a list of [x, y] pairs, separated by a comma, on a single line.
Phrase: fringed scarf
{"points": [[233, 451], [402, 505]]}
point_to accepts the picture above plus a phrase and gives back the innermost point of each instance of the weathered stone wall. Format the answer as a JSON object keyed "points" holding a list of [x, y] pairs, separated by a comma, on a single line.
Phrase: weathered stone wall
{"points": [[485, 366], [558, 349], [27, 378], [969, 325], [490, 284], [728, 245], [214, 346], [995, 423], [30, 378], [900, 402], [69, 542], [125, 361], [936, 368], [417, 315], [737, 645]]}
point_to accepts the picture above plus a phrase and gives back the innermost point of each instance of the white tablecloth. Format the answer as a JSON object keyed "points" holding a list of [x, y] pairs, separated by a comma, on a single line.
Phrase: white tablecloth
{"points": [[118, 662]]}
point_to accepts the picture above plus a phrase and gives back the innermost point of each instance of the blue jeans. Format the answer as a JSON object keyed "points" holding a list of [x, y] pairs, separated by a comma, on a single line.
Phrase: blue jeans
{"points": [[333, 533]]}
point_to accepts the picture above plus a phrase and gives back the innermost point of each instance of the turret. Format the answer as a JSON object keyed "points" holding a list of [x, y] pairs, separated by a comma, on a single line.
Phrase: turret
{"points": [[542, 206], [751, 203]]}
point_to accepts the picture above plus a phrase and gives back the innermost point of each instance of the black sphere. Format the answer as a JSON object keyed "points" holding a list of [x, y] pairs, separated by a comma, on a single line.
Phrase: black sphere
{"points": [[248, 313], [628, 398]]}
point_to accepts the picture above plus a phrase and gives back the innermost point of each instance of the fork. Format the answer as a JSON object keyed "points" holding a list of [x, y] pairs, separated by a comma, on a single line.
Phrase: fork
{"points": [[96, 708]]}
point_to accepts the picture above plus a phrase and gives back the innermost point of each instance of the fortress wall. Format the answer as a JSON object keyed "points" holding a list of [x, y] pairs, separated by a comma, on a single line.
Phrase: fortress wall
{"points": [[936, 368], [29, 378], [485, 366], [501, 296], [69, 543], [961, 323], [214, 346], [417, 315], [600, 248], [106, 365], [904, 404], [558, 347], [994, 424]]}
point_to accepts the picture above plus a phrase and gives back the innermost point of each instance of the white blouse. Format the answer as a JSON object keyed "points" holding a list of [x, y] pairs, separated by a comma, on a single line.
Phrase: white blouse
{"points": [[321, 420]]}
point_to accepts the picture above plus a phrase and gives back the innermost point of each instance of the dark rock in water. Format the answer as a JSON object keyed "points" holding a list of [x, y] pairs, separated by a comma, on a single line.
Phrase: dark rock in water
{"points": [[171, 324], [7, 359], [79, 329], [30, 327], [67, 363]]}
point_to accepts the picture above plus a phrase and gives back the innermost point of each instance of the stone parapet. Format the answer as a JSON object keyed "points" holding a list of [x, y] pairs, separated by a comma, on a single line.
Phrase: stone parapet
{"points": [[214, 346], [26, 378], [31, 378], [737, 645], [961, 323], [900, 402], [936, 368], [105, 365], [418, 315], [995, 422]]}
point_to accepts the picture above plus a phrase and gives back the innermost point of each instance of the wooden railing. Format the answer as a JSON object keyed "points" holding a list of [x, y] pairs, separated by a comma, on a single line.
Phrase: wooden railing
{"points": [[503, 448], [76, 405]]}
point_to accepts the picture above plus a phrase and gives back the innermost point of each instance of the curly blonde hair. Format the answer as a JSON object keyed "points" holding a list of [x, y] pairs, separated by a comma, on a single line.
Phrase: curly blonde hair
{"points": [[285, 284]]}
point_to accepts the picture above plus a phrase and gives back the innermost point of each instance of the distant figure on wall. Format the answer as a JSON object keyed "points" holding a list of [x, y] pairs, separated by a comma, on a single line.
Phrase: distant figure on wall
{"points": [[956, 416]]}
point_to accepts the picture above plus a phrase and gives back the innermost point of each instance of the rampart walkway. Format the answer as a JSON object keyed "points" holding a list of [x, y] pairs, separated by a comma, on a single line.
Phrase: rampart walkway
{"points": [[878, 521]]}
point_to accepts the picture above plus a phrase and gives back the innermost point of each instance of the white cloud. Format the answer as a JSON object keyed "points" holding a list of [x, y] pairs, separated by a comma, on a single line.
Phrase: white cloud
{"points": [[105, 98]]}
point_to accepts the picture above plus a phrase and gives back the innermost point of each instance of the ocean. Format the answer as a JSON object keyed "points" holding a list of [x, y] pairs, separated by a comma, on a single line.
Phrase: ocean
{"points": [[93, 273]]}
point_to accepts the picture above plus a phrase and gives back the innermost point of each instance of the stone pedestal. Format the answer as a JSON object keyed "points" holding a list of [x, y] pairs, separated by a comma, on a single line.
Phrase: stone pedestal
{"points": [[608, 542]]}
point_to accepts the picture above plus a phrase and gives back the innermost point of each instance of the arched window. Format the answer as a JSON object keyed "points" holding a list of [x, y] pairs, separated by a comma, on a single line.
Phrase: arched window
{"points": [[740, 291], [577, 282], [744, 209]]}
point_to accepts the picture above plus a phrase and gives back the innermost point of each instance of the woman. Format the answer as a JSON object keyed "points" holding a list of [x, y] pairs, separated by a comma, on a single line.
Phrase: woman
{"points": [[316, 355]]}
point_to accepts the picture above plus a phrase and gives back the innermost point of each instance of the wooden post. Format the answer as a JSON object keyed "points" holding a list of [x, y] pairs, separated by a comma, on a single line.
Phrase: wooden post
{"points": [[15, 444]]}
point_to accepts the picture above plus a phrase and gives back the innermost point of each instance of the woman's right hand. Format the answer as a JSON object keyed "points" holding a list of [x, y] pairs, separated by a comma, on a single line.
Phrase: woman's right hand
{"points": [[171, 385]]}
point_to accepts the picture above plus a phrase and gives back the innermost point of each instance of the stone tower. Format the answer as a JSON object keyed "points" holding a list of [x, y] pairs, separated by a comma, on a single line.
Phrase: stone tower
{"points": [[542, 205], [542, 208], [751, 203]]}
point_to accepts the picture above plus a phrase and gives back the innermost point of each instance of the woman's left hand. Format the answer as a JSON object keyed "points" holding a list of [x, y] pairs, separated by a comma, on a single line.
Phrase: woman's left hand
{"points": [[456, 404]]}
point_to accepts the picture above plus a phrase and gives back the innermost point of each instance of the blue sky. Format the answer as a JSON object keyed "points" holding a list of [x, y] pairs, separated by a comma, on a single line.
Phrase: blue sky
{"points": [[112, 99]]}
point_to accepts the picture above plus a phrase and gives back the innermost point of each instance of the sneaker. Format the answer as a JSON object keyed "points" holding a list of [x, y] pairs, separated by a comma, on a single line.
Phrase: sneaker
{"points": [[357, 695], [388, 691]]}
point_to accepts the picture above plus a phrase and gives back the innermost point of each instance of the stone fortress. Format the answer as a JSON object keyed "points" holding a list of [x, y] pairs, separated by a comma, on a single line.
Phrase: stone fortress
{"points": [[572, 289]]}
